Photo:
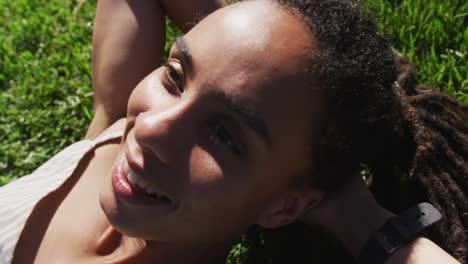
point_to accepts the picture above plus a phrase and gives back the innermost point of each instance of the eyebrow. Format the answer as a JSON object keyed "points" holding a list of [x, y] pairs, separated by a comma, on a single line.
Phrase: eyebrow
{"points": [[181, 44], [247, 112], [242, 108]]}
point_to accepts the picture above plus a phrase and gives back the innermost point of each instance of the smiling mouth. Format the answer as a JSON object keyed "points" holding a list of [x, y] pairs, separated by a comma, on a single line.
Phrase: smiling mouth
{"points": [[142, 185], [136, 189]]}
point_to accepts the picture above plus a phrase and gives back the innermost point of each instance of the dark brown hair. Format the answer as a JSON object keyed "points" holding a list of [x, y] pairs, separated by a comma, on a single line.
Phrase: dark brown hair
{"points": [[412, 140]]}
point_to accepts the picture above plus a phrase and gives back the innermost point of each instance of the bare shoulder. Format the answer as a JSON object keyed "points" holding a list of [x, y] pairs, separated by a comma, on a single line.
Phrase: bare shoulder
{"points": [[99, 127], [116, 126], [101, 124], [422, 250]]}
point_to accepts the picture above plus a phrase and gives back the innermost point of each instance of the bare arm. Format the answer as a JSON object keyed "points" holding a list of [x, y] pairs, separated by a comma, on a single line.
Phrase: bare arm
{"points": [[128, 44], [420, 251], [353, 215]]}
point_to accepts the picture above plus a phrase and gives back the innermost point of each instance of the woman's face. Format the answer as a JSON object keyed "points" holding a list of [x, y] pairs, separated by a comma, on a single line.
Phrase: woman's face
{"points": [[220, 133]]}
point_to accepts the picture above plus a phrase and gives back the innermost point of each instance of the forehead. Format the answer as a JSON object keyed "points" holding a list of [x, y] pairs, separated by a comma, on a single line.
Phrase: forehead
{"points": [[250, 45], [258, 51], [253, 38]]}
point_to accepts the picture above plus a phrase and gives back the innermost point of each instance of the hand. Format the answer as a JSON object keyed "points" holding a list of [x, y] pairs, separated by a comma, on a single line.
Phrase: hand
{"points": [[352, 214]]}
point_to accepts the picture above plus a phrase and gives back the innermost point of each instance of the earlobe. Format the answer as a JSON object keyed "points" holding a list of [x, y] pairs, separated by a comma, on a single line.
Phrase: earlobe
{"points": [[288, 208], [279, 213]]}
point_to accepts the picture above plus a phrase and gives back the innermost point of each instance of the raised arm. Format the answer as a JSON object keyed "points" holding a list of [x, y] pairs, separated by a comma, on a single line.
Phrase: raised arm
{"points": [[128, 43]]}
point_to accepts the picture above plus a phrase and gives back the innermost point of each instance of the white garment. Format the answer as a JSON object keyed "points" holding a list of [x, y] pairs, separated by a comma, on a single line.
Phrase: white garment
{"points": [[18, 199]]}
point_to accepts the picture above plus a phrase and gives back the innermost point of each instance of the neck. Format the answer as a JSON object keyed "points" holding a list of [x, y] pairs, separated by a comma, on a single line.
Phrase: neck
{"points": [[124, 249]]}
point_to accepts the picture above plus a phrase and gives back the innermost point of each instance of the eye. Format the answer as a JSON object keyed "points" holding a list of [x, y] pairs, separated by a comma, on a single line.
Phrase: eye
{"points": [[221, 135], [174, 76]]}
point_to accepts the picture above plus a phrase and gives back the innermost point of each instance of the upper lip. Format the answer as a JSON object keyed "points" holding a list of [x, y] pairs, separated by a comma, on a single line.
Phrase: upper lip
{"points": [[133, 164], [138, 169]]}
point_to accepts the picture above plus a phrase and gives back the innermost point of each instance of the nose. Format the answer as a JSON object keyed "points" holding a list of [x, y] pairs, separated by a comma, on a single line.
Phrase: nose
{"points": [[164, 134]]}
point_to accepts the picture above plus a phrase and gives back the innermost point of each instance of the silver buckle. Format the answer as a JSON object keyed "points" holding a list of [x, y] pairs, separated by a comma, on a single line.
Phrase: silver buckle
{"points": [[385, 243]]}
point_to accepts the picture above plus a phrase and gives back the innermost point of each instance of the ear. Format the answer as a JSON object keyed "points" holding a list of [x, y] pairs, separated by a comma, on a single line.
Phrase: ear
{"points": [[289, 207]]}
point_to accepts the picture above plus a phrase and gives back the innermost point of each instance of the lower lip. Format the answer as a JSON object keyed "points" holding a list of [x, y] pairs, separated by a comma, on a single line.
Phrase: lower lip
{"points": [[129, 192]]}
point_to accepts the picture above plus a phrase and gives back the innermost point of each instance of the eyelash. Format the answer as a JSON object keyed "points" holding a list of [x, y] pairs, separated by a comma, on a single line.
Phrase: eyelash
{"points": [[215, 128], [170, 73]]}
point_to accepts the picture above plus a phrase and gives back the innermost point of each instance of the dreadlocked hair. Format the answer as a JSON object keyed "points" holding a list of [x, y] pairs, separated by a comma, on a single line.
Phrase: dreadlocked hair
{"points": [[412, 140], [438, 171]]}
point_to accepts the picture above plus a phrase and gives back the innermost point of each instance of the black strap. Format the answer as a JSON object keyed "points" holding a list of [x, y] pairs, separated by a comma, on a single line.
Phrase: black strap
{"points": [[397, 232]]}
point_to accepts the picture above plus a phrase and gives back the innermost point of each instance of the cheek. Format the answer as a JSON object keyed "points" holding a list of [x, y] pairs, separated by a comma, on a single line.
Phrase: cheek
{"points": [[205, 172], [207, 179], [214, 182], [218, 188]]}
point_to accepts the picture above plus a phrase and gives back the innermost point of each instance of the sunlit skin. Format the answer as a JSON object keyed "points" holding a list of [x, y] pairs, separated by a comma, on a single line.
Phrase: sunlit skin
{"points": [[225, 129], [223, 175]]}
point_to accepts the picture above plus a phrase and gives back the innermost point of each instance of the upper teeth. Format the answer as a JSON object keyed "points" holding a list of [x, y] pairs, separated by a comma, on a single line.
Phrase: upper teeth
{"points": [[139, 181]]}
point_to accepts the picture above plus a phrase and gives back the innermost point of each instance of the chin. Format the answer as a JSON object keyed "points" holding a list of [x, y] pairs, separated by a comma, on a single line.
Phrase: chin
{"points": [[109, 207], [111, 210], [117, 219], [124, 221]]}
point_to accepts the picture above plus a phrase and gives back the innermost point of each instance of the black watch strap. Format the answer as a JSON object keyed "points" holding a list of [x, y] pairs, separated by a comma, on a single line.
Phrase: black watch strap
{"points": [[397, 232]]}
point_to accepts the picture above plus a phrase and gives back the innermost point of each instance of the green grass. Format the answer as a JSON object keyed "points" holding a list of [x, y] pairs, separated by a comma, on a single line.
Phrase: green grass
{"points": [[45, 80], [45, 72], [45, 93], [434, 35]]}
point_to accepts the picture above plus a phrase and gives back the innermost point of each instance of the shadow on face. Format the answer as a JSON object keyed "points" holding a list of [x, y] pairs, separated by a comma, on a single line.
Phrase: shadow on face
{"points": [[223, 129]]}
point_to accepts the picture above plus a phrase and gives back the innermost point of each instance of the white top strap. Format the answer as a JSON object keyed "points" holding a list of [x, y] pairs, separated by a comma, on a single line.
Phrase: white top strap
{"points": [[21, 196]]}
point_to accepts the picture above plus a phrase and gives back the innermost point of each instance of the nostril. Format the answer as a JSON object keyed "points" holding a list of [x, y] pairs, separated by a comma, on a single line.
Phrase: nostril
{"points": [[134, 154], [164, 133], [156, 148]]}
